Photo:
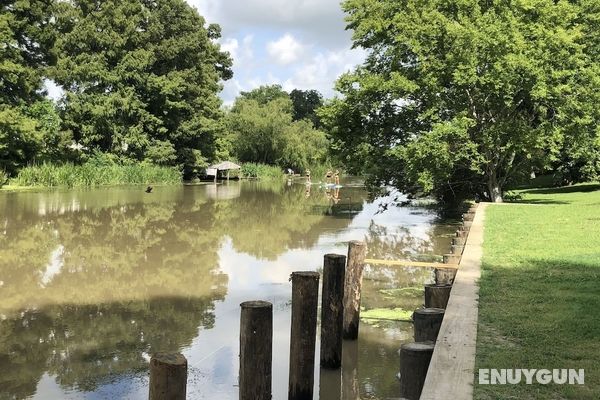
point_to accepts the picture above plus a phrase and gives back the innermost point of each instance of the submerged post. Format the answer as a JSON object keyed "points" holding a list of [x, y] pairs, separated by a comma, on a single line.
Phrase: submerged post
{"points": [[332, 304], [437, 296], [452, 258], [357, 251], [256, 350], [444, 276], [168, 376], [305, 297], [427, 323], [414, 362]]}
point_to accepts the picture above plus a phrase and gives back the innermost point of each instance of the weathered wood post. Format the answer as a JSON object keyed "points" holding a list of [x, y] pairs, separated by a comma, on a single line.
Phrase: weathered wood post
{"points": [[256, 350], [461, 233], [305, 297], [414, 362], [456, 249], [357, 251], [459, 241], [332, 305], [427, 323], [452, 258], [469, 216], [436, 296], [444, 276], [168, 376]]}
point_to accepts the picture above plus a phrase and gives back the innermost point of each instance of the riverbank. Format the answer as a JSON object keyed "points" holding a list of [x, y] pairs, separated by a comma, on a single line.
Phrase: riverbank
{"points": [[539, 291], [95, 173]]}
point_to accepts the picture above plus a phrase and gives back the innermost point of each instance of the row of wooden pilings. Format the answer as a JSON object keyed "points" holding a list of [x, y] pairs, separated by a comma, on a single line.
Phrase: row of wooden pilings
{"points": [[340, 315], [415, 357]]}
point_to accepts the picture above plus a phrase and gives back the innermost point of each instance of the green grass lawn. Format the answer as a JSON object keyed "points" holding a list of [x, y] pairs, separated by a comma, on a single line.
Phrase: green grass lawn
{"points": [[540, 291]]}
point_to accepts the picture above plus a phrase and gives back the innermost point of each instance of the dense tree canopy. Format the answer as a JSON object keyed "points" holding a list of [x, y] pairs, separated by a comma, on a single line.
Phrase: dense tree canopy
{"points": [[464, 97], [265, 132], [27, 35], [141, 79], [306, 103]]}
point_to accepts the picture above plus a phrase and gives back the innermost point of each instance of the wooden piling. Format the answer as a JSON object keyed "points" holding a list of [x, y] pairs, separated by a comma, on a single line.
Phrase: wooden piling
{"points": [[357, 252], [444, 276], [414, 362], [427, 323], [460, 233], [332, 303], [256, 350], [168, 376], [459, 241], [305, 297], [436, 296], [456, 249], [452, 258], [468, 216]]}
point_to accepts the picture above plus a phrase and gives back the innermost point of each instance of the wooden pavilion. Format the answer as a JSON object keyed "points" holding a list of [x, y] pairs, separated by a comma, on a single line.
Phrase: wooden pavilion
{"points": [[222, 166]]}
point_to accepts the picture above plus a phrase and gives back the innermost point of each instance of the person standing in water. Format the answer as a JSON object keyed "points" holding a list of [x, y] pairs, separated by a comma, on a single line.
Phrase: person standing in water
{"points": [[308, 176], [336, 176], [328, 176]]}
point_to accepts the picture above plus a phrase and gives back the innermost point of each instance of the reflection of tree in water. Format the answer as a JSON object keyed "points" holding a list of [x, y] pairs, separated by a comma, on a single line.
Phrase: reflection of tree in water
{"points": [[93, 281], [403, 244], [85, 346], [265, 223], [129, 280]]}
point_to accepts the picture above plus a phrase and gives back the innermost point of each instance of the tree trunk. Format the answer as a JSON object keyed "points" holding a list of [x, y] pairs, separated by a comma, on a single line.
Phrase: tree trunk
{"points": [[494, 189]]}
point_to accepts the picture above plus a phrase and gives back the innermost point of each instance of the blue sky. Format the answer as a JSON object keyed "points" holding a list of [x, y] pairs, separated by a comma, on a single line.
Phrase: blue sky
{"points": [[299, 44], [295, 43]]}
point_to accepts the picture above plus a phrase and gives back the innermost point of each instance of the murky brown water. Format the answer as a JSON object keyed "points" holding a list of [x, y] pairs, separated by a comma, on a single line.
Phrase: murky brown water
{"points": [[92, 282]]}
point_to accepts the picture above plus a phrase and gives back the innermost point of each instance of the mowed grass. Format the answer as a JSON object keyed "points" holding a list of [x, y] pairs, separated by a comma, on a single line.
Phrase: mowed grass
{"points": [[540, 291]]}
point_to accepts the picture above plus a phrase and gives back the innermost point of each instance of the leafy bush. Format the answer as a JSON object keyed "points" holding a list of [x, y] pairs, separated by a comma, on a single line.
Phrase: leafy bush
{"points": [[3, 178], [261, 171], [95, 173]]}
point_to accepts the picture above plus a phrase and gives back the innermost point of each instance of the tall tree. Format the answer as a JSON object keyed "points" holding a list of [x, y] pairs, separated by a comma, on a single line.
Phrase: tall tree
{"points": [[265, 94], [26, 37], [141, 79], [306, 103], [463, 97], [266, 133]]}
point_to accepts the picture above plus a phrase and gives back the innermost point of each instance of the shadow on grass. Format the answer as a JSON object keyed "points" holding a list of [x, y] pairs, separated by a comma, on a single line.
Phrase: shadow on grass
{"points": [[537, 201], [549, 310], [586, 188]]}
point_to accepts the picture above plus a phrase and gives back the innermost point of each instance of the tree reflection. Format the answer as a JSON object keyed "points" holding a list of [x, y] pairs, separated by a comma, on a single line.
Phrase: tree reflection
{"points": [[94, 281]]}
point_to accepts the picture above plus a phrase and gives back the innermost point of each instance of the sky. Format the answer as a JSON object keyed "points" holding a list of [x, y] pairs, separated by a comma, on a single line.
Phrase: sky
{"points": [[299, 44]]}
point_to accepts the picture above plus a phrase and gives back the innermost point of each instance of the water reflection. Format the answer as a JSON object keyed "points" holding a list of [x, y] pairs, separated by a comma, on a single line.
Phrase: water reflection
{"points": [[92, 282]]}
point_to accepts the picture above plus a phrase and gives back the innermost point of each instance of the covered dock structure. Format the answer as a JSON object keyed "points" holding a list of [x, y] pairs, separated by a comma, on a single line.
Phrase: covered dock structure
{"points": [[214, 169]]}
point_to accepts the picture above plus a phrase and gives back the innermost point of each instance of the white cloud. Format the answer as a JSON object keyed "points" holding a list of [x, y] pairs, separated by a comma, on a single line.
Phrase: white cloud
{"points": [[321, 71], [296, 43], [285, 50]]}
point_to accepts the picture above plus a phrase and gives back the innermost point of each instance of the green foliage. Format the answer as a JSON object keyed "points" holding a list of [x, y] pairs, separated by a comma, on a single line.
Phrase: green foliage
{"points": [[26, 34], [465, 98], [265, 94], [266, 133], [141, 80], [261, 171], [3, 178], [306, 103], [95, 173]]}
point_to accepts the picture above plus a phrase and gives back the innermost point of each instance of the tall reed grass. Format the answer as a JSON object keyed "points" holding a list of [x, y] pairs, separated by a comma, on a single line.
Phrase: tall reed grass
{"points": [[261, 171], [89, 174]]}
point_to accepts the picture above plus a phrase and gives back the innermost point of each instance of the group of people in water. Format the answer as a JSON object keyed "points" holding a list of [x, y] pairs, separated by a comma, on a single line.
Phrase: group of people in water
{"points": [[330, 177]]}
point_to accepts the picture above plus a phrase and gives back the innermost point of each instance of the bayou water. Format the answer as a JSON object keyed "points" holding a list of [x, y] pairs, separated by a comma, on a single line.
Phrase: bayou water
{"points": [[92, 282]]}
